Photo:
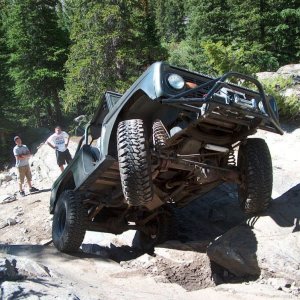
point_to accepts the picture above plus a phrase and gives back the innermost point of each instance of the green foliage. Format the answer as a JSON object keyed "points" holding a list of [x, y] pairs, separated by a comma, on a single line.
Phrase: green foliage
{"points": [[170, 19], [274, 24], [112, 42], [244, 58], [189, 55], [260, 28], [107, 44], [288, 106], [208, 19], [37, 54]]}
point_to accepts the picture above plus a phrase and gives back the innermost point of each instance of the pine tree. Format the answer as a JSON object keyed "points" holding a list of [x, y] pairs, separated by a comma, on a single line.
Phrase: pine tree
{"points": [[112, 42], [274, 24], [37, 54], [284, 35], [7, 102], [170, 19], [209, 20]]}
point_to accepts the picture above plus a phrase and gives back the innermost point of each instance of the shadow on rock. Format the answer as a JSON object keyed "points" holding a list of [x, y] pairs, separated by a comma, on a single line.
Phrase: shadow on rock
{"points": [[268, 245], [211, 215], [285, 210], [217, 244], [41, 191], [116, 253]]}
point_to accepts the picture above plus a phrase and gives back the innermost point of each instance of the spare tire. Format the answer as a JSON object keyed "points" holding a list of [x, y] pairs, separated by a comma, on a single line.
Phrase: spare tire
{"points": [[134, 162], [255, 165]]}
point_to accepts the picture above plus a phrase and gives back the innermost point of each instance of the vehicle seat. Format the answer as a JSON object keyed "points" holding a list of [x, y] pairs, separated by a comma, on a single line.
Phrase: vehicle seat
{"points": [[95, 153]]}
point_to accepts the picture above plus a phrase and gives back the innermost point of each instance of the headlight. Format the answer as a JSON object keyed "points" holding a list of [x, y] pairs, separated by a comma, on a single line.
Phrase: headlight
{"points": [[176, 81]]}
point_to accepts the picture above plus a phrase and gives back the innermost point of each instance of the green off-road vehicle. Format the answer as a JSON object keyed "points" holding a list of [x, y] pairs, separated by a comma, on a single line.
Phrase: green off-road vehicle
{"points": [[168, 140]]}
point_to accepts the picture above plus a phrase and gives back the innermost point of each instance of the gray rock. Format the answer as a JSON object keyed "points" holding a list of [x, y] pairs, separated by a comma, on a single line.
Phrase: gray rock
{"points": [[7, 198], [5, 177], [292, 91], [24, 230], [236, 251], [11, 290], [46, 242], [13, 268], [266, 75], [268, 246], [11, 221], [3, 224], [8, 270], [290, 69]]}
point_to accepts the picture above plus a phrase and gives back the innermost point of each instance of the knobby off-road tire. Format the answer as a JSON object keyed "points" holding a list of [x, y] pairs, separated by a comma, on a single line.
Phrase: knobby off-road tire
{"points": [[134, 162], [69, 222], [255, 164]]}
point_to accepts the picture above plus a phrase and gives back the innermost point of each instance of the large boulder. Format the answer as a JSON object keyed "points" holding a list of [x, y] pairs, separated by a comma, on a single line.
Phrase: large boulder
{"points": [[288, 71], [291, 72], [292, 69], [268, 245], [44, 166]]}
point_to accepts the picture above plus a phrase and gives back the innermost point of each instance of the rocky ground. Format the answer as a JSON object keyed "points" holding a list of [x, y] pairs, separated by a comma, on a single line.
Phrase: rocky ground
{"points": [[219, 254]]}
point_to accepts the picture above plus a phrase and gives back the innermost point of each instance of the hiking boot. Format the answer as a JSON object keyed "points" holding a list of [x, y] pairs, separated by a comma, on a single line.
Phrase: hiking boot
{"points": [[33, 189], [22, 193]]}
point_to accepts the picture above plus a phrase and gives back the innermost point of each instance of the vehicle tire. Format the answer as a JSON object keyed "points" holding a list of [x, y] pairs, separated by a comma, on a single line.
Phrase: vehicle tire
{"points": [[69, 222], [166, 229], [255, 165], [134, 162]]}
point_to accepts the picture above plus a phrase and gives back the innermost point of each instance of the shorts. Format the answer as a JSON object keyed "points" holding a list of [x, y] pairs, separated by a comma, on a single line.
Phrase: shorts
{"points": [[24, 172], [63, 157]]}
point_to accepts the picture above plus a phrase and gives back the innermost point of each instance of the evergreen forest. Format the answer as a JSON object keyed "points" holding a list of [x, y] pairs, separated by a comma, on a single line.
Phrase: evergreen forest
{"points": [[58, 57]]}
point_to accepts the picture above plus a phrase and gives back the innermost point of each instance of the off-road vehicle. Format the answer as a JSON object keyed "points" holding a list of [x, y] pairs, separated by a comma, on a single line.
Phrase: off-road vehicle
{"points": [[169, 139]]}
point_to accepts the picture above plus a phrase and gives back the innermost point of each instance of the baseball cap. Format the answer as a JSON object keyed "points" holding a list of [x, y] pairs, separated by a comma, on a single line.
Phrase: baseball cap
{"points": [[16, 137]]}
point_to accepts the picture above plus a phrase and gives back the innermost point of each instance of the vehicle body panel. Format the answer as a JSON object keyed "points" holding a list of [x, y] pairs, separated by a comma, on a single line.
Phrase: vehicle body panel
{"points": [[95, 169]]}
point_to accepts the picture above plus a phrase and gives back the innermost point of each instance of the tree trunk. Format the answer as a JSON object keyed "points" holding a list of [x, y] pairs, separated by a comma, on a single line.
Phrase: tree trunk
{"points": [[57, 107], [262, 6]]}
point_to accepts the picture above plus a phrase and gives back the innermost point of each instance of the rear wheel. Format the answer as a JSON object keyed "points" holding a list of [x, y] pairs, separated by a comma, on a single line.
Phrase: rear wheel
{"points": [[255, 165], [69, 221], [134, 162]]}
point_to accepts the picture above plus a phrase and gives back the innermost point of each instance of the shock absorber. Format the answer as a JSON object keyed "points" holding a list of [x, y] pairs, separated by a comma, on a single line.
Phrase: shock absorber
{"points": [[231, 158], [160, 134]]}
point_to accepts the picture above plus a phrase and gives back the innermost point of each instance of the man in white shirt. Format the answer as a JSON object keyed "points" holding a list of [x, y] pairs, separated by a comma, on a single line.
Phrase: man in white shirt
{"points": [[60, 141]]}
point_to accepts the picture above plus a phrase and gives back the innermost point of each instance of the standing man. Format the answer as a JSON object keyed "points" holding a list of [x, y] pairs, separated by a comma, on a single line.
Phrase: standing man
{"points": [[60, 141], [22, 155]]}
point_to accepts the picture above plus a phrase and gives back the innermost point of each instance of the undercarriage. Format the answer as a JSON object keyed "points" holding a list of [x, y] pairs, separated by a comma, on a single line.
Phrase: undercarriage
{"points": [[172, 137]]}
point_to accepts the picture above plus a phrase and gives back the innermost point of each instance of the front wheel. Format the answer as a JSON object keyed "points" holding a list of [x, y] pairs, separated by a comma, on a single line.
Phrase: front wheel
{"points": [[134, 162], [255, 165], [69, 222]]}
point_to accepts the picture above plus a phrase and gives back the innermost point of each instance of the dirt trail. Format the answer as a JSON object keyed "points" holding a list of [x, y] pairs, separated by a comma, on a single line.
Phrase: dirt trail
{"points": [[115, 270]]}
